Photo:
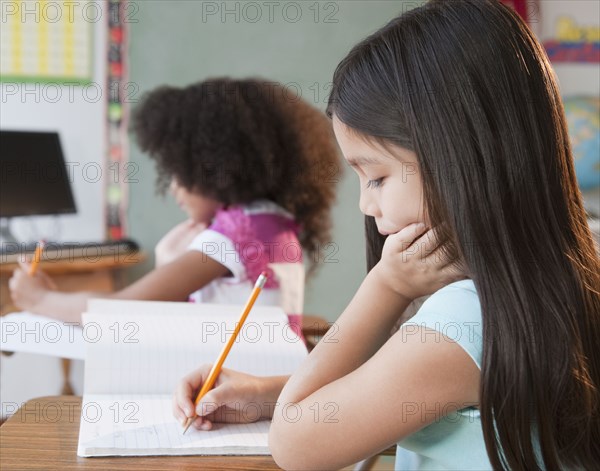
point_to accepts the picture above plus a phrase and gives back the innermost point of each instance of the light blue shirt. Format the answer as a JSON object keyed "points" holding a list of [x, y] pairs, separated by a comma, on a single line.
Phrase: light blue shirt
{"points": [[454, 442]]}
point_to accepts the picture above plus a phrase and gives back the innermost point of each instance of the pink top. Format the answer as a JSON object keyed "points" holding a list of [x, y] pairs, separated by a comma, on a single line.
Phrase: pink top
{"points": [[248, 240]]}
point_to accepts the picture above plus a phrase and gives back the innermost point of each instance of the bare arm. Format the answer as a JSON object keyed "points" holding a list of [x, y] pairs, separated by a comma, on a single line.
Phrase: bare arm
{"points": [[173, 281], [359, 332], [412, 381], [351, 390], [401, 276]]}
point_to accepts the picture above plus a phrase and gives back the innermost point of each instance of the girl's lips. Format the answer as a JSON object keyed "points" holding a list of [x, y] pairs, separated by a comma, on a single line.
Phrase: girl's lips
{"points": [[385, 231]]}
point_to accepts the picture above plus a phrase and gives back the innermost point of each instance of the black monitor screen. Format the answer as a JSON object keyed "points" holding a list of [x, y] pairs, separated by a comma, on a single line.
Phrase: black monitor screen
{"points": [[33, 175]]}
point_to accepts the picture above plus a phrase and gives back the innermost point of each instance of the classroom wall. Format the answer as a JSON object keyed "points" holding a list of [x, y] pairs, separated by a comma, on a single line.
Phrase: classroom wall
{"points": [[299, 44], [180, 42]]}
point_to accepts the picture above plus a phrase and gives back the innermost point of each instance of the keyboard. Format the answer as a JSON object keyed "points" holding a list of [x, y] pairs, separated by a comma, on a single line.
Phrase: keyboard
{"points": [[12, 252]]}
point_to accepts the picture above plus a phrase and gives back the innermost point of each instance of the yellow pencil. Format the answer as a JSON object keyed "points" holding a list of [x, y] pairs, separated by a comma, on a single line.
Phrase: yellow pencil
{"points": [[216, 368], [37, 256]]}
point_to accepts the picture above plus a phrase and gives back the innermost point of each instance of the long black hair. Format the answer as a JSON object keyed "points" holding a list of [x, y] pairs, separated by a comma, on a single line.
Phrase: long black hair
{"points": [[467, 87]]}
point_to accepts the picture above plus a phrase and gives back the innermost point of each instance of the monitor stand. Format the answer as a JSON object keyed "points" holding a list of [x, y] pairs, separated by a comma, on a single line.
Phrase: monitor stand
{"points": [[5, 234]]}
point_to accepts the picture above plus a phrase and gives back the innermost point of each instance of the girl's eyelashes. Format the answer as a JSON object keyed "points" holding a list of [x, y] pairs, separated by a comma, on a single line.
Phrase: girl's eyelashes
{"points": [[375, 183]]}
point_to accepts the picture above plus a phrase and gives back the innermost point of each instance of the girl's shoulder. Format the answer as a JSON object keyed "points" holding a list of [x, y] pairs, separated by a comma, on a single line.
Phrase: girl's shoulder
{"points": [[255, 208], [458, 300], [257, 212], [265, 207], [454, 311], [261, 220]]}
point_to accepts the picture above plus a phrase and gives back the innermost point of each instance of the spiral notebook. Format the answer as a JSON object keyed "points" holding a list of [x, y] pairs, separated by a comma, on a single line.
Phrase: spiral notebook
{"points": [[136, 353]]}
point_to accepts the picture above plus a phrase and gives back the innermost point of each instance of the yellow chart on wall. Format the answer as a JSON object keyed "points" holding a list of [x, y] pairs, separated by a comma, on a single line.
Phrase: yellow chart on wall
{"points": [[47, 40]]}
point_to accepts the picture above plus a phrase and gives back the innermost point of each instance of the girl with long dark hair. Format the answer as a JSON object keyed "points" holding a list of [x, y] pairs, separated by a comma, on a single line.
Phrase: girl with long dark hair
{"points": [[451, 116]]}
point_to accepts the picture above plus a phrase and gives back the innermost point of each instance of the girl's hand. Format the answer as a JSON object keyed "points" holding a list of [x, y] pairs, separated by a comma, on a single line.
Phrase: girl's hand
{"points": [[236, 397], [27, 291], [411, 268], [175, 242]]}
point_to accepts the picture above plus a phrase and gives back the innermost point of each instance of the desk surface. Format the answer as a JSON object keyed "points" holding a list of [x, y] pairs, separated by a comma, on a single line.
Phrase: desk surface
{"points": [[43, 434], [82, 264], [101, 274]]}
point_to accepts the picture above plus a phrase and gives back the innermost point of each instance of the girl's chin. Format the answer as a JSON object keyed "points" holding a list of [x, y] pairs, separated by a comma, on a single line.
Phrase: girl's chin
{"points": [[386, 231]]}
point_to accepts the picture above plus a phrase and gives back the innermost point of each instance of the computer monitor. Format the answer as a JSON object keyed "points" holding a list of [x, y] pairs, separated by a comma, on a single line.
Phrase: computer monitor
{"points": [[33, 175]]}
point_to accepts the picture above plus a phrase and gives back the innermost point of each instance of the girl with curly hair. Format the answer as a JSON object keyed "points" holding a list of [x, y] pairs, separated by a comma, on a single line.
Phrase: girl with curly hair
{"points": [[254, 167]]}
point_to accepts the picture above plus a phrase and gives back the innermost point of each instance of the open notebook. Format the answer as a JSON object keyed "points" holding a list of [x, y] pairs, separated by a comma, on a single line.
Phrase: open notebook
{"points": [[141, 349]]}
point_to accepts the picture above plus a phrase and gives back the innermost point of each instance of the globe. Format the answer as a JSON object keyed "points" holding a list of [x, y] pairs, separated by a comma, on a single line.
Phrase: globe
{"points": [[583, 120]]}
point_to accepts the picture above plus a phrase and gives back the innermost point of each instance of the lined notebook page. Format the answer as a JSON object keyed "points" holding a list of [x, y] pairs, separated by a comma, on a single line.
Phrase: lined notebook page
{"points": [[150, 353], [122, 307], [138, 351], [123, 425]]}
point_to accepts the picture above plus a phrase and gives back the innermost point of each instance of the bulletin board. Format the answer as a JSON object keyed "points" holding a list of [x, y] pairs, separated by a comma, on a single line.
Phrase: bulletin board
{"points": [[47, 41]]}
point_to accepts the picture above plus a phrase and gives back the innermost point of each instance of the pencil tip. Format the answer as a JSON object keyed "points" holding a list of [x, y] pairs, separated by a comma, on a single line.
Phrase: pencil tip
{"points": [[187, 424]]}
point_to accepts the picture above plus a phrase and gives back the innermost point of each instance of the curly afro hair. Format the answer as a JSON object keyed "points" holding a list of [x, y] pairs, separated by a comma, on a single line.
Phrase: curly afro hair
{"points": [[238, 141]]}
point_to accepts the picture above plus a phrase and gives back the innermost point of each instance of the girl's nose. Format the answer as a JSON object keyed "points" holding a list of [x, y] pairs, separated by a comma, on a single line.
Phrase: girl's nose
{"points": [[367, 204]]}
